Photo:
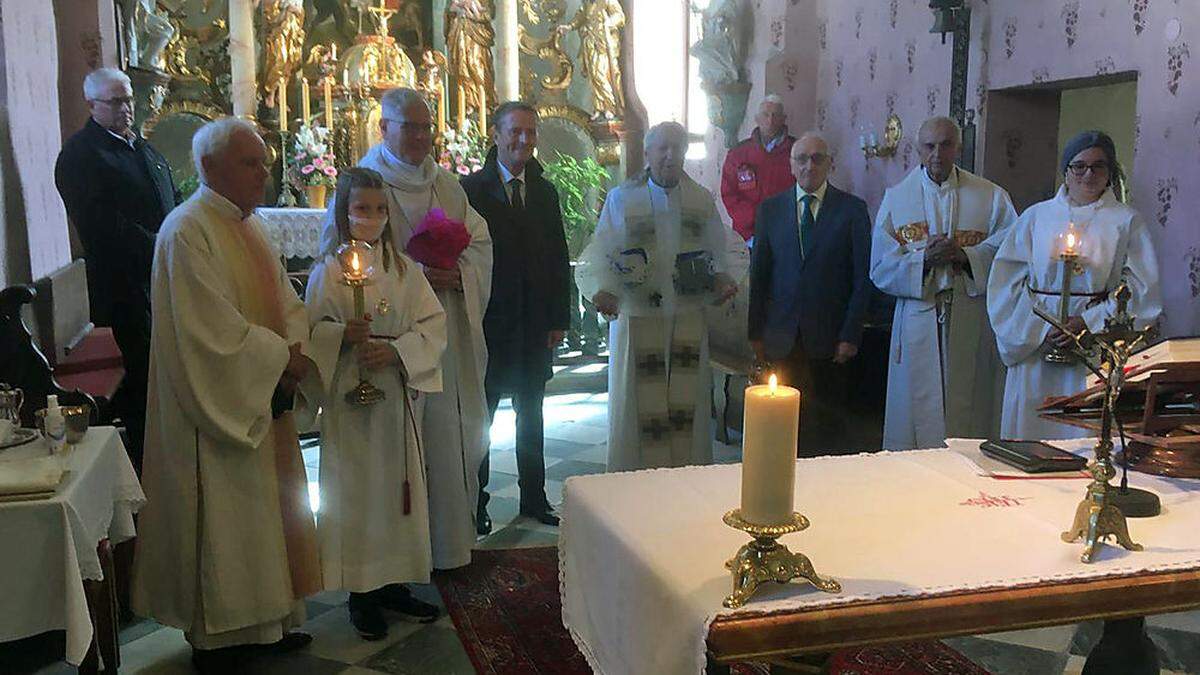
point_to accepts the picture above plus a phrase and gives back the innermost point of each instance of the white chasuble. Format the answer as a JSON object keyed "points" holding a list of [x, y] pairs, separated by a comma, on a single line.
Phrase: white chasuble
{"points": [[657, 249], [1114, 247], [944, 374], [373, 520], [456, 420], [226, 546]]}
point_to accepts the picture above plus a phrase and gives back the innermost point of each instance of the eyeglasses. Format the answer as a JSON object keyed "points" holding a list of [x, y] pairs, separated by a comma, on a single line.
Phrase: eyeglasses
{"points": [[412, 127], [817, 158], [117, 102], [1080, 169]]}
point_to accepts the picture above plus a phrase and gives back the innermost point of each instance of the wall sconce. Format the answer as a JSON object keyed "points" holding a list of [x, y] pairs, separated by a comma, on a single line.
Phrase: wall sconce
{"points": [[893, 131]]}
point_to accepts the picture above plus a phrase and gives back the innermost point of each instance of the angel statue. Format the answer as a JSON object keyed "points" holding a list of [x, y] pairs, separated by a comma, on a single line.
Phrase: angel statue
{"points": [[145, 32], [283, 44], [599, 23], [469, 39]]}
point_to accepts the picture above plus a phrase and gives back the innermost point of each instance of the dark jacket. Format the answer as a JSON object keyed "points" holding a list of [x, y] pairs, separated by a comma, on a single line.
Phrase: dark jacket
{"points": [[530, 275], [819, 299], [117, 197]]}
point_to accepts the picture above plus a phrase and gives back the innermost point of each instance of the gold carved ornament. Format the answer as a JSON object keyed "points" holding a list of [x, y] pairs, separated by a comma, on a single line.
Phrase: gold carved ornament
{"points": [[599, 23], [469, 40], [549, 49], [283, 44]]}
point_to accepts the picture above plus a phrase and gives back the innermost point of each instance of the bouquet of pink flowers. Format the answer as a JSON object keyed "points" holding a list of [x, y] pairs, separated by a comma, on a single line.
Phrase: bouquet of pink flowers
{"points": [[463, 151], [438, 240], [312, 161]]}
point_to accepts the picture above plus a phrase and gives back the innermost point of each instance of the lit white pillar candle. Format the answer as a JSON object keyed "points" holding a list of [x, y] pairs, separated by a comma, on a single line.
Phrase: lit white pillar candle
{"points": [[305, 102], [769, 432]]}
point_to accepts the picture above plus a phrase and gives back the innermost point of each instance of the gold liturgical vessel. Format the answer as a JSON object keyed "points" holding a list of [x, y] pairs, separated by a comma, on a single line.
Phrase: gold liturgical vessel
{"points": [[355, 259], [1097, 518], [765, 559]]}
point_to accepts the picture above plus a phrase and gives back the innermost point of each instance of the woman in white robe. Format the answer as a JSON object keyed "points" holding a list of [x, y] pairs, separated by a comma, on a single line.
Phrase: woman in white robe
{"points": [[373, 521], [668, 221], [1114, 246]]}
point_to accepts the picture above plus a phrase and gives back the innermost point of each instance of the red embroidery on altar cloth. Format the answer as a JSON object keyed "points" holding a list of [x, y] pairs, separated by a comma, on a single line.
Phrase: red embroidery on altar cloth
{"points": [[987, 501]]}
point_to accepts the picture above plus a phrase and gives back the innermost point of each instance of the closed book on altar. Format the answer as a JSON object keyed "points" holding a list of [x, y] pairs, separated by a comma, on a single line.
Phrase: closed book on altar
{"points": [[1033, 456]]}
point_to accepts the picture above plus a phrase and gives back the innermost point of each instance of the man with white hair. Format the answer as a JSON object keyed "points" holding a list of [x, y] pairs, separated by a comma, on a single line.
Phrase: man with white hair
{"points": [[934, 240], [226, 543], [456, 420], [757, 167], [659, 257], [117, 190]]}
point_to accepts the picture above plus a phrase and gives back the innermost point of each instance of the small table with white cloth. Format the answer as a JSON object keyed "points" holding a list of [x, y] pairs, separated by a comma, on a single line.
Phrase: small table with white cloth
{"points": [[294, 233], [55, 545], [925, 544]]}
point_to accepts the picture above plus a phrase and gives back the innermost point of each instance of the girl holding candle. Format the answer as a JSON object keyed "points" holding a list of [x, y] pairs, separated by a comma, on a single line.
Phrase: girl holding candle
{"points": [[373, 521], [1111, 244]]}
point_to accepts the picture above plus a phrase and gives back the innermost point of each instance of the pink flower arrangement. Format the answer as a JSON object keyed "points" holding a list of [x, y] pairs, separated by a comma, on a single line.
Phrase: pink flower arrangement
{"points": [[311, 161], [438, 240], [463, 150]]}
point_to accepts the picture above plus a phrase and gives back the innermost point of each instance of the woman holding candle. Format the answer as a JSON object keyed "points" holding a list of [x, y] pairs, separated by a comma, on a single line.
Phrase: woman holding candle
{"points": [[1110, 244], [373, 522]]}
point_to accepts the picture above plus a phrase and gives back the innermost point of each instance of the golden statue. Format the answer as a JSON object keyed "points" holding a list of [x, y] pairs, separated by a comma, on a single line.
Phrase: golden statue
{"points": [[283, 44], [599, 23], [469, 38]]}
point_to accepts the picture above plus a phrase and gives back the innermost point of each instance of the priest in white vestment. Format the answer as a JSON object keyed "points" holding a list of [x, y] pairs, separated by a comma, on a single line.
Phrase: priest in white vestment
{"points": [[226, 543], [660, 257], [1114, 246], [932, 249], [456, 420], [373, 521]]}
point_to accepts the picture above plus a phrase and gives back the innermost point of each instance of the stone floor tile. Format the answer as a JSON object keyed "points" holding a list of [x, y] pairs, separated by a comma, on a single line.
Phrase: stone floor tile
{"points": [[335, 639], [520, 535], [162, 652], [1008, 659], [432, 649], [597, 453], [1054, 638], [1185, 621], [578, 433], [1177, 650], [573, 467], [564, 449], [138, 628]]}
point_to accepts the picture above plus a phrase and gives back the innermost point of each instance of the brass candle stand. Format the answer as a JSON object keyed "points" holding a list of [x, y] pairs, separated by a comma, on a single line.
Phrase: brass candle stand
{"points": [[765, 559], [1097, 518], [356, 273]]}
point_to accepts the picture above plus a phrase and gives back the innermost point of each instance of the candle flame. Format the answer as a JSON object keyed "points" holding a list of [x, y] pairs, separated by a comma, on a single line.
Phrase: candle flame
{"points": [[773, 383], [1071, 241], [354, 261]]}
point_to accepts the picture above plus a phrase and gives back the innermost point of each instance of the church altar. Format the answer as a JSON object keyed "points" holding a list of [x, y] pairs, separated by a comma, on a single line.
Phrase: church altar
{"points": [[42, 577], [642, 553], [293, 233]]}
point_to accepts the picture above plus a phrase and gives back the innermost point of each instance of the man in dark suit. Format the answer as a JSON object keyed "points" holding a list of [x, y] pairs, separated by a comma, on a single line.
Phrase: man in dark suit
{"points": [[117, 190], [809, 290], [529, 310]]}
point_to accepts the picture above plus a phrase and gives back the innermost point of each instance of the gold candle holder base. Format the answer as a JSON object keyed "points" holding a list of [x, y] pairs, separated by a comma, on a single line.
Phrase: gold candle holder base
{"points": [[1096, 517], [765, 559], [365, 394]]}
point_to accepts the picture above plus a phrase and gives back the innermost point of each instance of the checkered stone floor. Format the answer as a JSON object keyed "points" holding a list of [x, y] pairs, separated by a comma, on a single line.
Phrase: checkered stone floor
{"points": [[575, 445]]}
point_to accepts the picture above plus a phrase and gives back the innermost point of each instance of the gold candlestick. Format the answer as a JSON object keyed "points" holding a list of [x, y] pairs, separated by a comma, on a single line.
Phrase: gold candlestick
{"points": [[328, 81], [356, 272], [765, 559], [462, 107], [283, 108]]}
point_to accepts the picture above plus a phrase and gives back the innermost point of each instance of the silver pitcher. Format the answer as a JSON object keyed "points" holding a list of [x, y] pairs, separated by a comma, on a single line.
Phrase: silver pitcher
{"points": [[11, 400]]}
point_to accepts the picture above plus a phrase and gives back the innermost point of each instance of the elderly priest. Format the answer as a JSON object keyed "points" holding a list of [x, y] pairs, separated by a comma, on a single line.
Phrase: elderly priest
{"points": [[660, 256], [935, 237], [227, 546]]}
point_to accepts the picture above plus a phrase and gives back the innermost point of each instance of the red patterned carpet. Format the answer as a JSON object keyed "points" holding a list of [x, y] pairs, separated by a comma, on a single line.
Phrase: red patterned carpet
{"points": [[506, 608]]}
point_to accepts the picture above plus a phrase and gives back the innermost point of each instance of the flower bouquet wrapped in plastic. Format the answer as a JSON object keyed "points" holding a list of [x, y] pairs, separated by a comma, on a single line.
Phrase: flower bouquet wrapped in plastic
{"points": [[438, 240]]}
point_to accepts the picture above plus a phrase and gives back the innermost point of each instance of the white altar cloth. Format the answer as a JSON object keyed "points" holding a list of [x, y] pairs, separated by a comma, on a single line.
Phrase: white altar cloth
{"points": [[641, 554], [295, 233], [50, 545]]}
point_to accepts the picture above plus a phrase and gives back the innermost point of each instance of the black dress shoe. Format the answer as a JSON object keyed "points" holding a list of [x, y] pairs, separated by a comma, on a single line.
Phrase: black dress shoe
{"points": [[397, 598], [291, 642], [483, 522], [544, 515], [367, 617]]}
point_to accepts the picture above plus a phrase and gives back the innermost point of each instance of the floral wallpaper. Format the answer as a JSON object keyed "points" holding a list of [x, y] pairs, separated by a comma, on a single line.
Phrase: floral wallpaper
{"points": [[876, 56]]}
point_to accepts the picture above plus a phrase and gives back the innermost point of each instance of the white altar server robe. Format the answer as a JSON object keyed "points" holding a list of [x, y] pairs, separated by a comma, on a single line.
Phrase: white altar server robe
{"points": [[943, 385], [211, 557], [595, 274], [456, 420], [1114, 246], [368, 452]]}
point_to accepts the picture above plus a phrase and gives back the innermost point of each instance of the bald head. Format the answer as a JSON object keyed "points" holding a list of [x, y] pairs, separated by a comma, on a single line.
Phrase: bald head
{"points": [[770, 119], [811, 161], [938, 144]]}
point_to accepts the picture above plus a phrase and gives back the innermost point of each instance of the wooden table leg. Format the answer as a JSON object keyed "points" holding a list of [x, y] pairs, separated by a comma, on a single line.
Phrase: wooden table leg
{"points": [[102, 606]]}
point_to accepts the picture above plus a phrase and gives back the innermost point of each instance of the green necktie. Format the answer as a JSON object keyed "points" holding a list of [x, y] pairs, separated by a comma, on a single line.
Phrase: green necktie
{"points": [[806, 224]]}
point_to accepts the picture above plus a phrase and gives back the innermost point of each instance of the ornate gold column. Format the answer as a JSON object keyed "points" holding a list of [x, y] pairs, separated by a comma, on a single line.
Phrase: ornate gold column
{"points": [[242, 88], [508, 59]]}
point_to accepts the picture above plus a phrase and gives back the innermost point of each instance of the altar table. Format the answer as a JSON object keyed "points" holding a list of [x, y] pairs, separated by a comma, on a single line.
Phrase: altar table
{"points": [[295, 233], [922, 543], [50, 545]]}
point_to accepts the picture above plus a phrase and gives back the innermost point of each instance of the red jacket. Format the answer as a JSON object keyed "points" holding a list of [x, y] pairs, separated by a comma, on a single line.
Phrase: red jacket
{"points": [[750, 175]]}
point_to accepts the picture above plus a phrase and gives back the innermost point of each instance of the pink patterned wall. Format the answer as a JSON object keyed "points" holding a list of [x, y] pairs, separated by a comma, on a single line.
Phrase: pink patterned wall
{"points": [[877, 56]]}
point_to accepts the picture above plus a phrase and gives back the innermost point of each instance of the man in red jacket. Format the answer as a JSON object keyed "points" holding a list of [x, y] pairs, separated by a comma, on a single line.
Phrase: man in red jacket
{"points": [[757, 167]]}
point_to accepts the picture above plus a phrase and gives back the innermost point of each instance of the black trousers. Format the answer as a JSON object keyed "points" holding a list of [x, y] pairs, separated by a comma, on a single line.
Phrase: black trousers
{"points": [[131, 330], [531, 463], [823, 402]]}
